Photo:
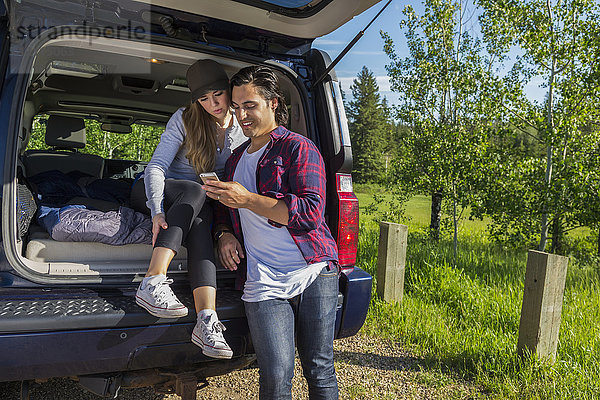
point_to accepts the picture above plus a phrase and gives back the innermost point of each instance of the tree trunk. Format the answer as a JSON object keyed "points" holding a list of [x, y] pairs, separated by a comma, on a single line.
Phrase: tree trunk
{"points": [[548, 182], [455, 222], [550, 128], [436, 215], [557, 245]]}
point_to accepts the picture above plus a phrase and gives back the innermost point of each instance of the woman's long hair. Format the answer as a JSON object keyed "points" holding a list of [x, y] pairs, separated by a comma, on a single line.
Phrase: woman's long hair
{"points": [[200, 137]]}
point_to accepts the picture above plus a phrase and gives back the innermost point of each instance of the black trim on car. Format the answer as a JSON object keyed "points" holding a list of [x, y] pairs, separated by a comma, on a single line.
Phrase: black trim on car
{"points": [[307, 11]]}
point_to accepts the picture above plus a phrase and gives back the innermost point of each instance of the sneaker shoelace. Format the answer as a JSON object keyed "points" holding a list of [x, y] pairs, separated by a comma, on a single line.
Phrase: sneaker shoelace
{"points": [[164, 293], [218, 327], [215, 332]]}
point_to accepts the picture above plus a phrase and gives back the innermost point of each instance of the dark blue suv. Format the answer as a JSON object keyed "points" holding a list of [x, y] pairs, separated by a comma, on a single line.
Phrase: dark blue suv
{"points": [[117, 69]]}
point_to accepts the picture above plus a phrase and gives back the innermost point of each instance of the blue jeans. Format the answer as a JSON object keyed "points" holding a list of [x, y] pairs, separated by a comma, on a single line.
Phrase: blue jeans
{"points": [[311, 316]]}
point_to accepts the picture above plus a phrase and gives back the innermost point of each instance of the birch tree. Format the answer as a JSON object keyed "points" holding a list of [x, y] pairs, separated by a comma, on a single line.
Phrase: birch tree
{"points": [[443, 85], [558, 42]]}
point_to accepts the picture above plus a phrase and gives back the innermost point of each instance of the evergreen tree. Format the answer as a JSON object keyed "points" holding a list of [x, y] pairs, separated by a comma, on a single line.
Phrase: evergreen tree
{"points": [[369, 128]]}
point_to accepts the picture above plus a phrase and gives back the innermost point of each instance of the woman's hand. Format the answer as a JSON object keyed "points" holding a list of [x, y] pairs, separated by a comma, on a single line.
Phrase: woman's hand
{"points": [[230, 251], [158, 222]]}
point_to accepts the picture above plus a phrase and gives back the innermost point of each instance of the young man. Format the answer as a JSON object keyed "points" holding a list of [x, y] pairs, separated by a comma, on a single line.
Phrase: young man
{"points": [[275, 192]]}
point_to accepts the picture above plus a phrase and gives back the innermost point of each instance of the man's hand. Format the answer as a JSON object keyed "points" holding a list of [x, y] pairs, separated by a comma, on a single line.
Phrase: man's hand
{"points": [[230, 251], [231, 194], [234, 195], [158, 222]]}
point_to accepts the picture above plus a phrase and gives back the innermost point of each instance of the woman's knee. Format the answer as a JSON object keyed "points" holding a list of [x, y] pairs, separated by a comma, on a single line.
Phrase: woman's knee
{"points": [[186, 191], [194, 194]]}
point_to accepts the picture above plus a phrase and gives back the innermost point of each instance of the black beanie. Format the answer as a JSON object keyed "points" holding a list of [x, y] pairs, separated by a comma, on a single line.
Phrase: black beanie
{"points": [[204, 76]]}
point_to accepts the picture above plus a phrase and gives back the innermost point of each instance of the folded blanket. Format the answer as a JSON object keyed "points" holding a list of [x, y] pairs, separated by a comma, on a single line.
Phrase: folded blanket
{"points": [[78, 224], [55, 188]]}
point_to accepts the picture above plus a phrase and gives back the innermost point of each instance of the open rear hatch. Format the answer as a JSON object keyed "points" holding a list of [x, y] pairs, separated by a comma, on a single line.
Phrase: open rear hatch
{"points": [[259, 27], [296, 18]]}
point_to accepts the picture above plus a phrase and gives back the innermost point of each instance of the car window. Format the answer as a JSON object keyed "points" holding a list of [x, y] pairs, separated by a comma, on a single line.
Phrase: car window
{"points": [[137, 145], [290, 3]]}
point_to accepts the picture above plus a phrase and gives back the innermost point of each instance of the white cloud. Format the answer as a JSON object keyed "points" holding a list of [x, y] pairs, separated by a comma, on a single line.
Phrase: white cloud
{"points": [[328, 42], [346, 82], [383, 82], [535, 90]]}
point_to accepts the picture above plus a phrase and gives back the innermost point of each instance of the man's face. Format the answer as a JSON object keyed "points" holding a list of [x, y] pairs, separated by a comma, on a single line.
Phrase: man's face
{"points": [[255, 114]]}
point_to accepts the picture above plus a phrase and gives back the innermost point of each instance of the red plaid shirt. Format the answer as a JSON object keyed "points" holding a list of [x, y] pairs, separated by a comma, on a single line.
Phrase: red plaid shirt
{"points": [[290, 169]]}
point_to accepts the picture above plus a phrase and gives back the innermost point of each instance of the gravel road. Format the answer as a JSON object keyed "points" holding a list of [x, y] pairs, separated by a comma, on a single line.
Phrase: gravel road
{"points": [[367, 368]]}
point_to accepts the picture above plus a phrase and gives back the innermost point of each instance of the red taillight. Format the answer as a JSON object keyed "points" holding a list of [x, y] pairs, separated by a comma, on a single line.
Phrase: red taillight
{"points": [[347, 233]]}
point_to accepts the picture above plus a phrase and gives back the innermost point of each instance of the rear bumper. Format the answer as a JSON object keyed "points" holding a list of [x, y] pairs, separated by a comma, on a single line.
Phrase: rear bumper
{"points": [[55, 336], [71, 353], [55, 332], [356, 288]]}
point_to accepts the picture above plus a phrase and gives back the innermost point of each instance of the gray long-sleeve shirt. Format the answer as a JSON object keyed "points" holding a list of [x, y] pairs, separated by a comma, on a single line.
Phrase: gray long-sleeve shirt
{"points": [[169, 161]]}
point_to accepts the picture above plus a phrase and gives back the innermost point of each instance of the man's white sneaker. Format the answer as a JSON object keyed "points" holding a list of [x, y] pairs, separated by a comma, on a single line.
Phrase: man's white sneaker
{"points": [[155, 295], [208, 335]]}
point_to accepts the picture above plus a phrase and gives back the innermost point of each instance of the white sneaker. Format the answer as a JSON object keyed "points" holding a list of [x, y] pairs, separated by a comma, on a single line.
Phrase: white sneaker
{"points": [[208, 335], [155, 295]]}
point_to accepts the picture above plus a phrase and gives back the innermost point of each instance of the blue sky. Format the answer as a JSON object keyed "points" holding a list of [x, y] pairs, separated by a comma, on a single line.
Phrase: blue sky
{"points": [[369, 49]]}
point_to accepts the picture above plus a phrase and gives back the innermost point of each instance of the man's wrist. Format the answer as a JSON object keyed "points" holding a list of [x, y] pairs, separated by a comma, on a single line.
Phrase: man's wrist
{"points": [[252, 201], [220, 232]]}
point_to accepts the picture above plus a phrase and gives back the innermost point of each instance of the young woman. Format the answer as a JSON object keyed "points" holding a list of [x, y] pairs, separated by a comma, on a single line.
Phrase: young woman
{"points": [[197, 139]]}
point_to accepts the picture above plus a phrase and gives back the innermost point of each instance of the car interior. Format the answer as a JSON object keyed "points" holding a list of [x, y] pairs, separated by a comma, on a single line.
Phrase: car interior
{"points": [[116, 83]]}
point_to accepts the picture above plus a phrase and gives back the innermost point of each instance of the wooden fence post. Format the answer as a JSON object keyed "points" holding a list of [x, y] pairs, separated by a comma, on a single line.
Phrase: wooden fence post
{"points": [[391, 261], [542, 304]]}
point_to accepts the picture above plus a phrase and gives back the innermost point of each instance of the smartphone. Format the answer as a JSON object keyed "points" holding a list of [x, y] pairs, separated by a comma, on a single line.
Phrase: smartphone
{"points": [[208, 176]]}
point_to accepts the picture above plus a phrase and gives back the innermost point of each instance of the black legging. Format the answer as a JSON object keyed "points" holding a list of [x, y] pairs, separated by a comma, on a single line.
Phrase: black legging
{"points": [[189, 219]]}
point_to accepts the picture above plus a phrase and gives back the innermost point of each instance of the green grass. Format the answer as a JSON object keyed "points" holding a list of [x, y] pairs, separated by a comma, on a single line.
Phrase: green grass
{"points": [[464, 318]]}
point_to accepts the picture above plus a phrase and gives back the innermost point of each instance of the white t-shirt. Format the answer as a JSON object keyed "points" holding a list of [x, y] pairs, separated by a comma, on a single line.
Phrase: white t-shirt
{"points": [[276, 268]]}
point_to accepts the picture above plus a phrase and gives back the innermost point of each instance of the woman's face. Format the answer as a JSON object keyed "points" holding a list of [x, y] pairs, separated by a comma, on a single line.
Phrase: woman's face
{"points": [[216, 103]]}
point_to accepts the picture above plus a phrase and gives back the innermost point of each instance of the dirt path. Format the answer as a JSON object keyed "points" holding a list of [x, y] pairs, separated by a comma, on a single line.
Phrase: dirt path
{"points": [[367, 368]]}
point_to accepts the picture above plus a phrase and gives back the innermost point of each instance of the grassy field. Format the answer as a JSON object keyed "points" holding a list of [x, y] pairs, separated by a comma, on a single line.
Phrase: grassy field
{"points": [[417, 212], [464, 318]]}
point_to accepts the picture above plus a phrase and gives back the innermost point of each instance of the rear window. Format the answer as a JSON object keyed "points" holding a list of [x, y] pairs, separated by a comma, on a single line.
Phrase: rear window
{"points": [[290, 3], [290, 8], [136, 146]]}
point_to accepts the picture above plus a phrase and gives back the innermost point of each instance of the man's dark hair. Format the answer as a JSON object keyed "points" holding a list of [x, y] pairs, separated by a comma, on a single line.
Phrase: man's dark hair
{"points": [[266, 83]]}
